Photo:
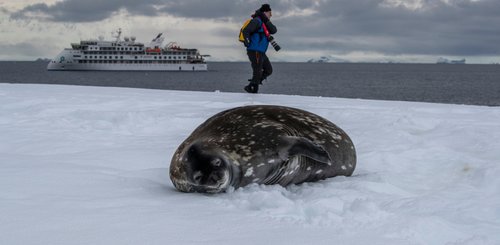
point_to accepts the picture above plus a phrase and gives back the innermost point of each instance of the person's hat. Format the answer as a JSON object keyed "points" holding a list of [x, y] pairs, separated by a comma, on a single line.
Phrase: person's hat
{"points": [[265, 8]]}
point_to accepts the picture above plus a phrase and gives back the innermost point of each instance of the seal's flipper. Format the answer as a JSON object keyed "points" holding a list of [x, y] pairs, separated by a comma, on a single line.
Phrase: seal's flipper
{"points": [[301, 146]]}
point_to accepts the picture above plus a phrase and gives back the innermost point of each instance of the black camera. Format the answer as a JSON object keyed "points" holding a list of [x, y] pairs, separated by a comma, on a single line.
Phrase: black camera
{"points": [[275, 45]]}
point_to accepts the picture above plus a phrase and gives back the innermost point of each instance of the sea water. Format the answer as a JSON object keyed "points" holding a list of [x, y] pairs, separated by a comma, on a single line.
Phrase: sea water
{"points": [[438, 83]]}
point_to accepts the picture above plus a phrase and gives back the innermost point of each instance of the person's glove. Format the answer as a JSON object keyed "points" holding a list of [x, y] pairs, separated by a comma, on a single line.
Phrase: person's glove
{"points": [[246, 42], [263, 17]]}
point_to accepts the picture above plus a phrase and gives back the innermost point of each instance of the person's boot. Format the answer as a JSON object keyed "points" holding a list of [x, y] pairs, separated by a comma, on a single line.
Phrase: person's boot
{"points": [[252, 88], [255, 88], [250, 80], [248, 88]]}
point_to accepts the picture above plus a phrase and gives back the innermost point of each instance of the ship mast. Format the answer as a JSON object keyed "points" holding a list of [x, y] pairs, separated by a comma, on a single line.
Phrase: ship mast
{"points": [[118, 35]]}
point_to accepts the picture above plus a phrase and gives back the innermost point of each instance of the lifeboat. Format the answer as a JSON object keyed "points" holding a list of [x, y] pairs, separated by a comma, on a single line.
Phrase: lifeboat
{"points": [[153, 50]]}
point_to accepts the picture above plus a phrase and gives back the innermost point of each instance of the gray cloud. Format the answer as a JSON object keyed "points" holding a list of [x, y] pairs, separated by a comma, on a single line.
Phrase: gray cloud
{"points": [[460, 27], [22, 49], [84, 11]]}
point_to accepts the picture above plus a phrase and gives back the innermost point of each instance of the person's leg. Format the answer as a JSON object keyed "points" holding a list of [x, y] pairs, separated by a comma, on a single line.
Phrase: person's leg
{"points": [[267, 68], [256, 59]]}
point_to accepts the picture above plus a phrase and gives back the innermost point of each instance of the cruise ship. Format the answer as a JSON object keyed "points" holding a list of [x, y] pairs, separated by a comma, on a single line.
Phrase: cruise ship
{"points": [[127, 55]]}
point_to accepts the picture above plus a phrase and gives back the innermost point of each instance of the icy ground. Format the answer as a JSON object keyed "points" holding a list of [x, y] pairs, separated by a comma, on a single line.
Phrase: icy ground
{"points": [[89, 165]]}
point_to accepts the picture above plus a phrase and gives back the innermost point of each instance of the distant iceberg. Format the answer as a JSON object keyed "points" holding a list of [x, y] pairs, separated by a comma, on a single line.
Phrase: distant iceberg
{"points": [[327, 59], [442, 60]]}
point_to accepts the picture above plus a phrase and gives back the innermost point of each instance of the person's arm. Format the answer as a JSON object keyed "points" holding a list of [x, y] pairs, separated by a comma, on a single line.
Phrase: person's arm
{"points": [[252, 27], [270, 26]]}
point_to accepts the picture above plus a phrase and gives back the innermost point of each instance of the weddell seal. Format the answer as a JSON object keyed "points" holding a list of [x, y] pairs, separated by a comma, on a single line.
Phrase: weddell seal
{"points": [[261, 144]]}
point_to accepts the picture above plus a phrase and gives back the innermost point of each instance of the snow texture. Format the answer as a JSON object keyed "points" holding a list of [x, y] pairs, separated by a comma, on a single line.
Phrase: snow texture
{"points": [[89, 165]]}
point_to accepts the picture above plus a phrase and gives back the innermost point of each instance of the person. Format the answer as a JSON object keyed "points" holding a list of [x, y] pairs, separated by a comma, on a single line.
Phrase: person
{"points": [[256, 35]]}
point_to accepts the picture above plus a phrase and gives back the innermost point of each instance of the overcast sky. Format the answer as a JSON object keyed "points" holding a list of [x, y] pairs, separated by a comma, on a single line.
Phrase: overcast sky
{"points": [[354, 30]]}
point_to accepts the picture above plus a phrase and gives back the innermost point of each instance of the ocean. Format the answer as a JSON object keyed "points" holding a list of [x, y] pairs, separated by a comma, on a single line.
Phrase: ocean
{"points": [[435, 83]]}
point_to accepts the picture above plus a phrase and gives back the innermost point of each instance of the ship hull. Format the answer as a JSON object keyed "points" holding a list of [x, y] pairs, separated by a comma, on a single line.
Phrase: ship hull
{"points": [[126, 67]]}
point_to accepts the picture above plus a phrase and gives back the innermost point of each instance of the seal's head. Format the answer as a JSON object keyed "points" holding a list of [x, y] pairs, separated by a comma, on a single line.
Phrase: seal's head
{"points": [[201, 168]]}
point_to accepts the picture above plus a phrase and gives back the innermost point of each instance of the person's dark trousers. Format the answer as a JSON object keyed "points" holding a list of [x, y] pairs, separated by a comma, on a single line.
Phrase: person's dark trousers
{"points": [[261, 67]]}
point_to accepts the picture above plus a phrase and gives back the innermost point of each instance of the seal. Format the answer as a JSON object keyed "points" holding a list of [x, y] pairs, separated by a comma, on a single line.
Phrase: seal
{"points": [[261, 144]]}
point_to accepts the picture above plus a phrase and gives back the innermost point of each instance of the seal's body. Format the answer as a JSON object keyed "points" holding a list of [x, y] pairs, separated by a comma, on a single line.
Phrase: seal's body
{"points": [[264, 145]]}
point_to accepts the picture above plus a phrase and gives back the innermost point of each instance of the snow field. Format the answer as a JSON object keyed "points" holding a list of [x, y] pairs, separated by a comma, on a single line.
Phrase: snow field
{"points": [[89, 165]]}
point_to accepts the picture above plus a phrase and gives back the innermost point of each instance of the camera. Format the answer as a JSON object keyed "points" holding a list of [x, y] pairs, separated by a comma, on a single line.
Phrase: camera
{"points": [[275, 45]]}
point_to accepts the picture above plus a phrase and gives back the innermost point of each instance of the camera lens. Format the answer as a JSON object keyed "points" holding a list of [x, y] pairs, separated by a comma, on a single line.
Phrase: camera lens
{"points": [[274, 44]]}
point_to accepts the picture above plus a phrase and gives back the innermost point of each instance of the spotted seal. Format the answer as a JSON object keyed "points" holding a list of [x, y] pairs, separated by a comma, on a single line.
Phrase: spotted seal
{"points": [[261, 144]]}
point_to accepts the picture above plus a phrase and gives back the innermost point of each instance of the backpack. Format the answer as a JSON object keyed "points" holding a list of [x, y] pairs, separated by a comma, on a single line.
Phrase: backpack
{"points": [[242, 39]]}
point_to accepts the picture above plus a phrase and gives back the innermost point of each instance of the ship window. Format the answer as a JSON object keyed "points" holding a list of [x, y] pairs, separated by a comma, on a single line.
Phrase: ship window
{"points": [[135, 57], [121, 57]]}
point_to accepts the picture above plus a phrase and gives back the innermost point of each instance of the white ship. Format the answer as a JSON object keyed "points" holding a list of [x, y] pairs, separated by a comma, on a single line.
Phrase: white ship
{"points": [[127, 55]]}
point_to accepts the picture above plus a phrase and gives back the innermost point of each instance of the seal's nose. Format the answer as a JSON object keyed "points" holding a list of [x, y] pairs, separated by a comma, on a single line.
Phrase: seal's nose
{"points": [[205, 167], [207, 171]]}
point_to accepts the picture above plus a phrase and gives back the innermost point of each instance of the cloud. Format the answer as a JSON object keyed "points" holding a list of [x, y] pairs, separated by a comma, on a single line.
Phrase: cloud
{"points": [[98, 10], [23, 49], [83, 11], [436, 27], [391, 27]]}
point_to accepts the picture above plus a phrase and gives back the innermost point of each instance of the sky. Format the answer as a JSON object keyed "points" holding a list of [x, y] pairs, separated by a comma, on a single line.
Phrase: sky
{"points": [[416, 31]]}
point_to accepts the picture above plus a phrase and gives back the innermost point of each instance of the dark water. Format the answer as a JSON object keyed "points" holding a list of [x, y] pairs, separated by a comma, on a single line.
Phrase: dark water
{"points": [[456, 84]]}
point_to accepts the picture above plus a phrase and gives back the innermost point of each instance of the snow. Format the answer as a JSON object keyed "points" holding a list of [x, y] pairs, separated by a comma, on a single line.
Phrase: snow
{"points": [[89, 165]]}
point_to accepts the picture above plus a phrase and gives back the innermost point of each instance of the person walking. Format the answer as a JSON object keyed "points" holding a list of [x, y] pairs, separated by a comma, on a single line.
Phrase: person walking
{"points": [[256, 37]]}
